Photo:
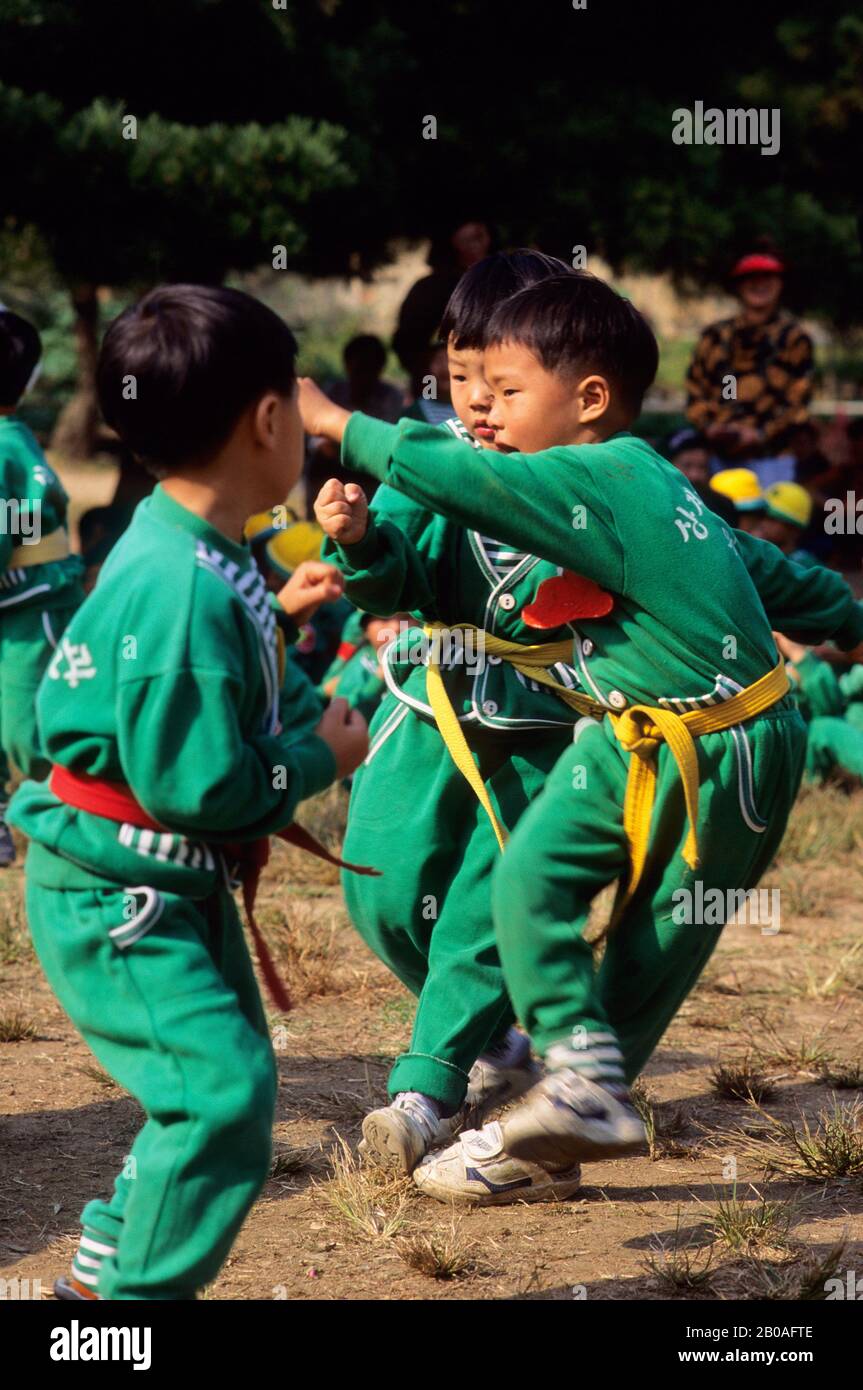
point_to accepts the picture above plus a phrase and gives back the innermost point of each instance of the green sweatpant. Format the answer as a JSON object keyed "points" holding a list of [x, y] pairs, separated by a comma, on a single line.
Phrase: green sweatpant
{"points": [[28, 637], [571, 844], [833, 742], [162, 990], [428, 917]]}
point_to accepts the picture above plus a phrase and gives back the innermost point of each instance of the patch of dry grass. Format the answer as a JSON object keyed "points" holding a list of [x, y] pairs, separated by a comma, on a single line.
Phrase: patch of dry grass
{"points": [[663, 1124], [741, 1081], [15, 943], [754, 1226], [288, 1162], [823, 825], [16, 1026], [800, 1278], [442, 1253], [843, 1076], [831, 1148], [371, 1202], [807, 1056], [304, 939], [678, 1263]]}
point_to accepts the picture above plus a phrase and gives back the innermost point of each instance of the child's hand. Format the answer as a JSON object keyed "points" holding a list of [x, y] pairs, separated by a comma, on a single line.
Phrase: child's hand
{"points": [[311, 584], [342, 509], [319, 414], [346, 733]]}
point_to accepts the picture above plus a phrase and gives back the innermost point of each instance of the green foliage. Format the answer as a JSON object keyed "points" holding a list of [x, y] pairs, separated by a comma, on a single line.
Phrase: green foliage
{"points": [[302, 127]]}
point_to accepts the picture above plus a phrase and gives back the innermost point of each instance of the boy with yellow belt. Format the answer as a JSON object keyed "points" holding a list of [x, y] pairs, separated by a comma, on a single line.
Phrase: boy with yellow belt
{"points": [[40, 581], [690, 751], [430, 917], [176, 752]]}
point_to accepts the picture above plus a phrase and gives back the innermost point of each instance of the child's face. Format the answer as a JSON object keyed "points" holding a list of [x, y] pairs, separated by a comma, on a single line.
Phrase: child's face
{"points": [[470, 392], [781, 533], [535, 409]]}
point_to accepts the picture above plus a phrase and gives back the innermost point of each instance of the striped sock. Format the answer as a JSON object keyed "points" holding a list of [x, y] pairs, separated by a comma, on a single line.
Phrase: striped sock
{"points": [[92, 1250], [595, 1056]]}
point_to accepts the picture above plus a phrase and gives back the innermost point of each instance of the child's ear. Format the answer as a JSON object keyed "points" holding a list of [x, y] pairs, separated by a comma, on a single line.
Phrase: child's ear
{"points": [[265, 420], [594, 394]]}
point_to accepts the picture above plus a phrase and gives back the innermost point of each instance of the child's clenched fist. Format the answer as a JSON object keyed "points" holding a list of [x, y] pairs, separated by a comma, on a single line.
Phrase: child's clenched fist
{"points": [[342, 510]]}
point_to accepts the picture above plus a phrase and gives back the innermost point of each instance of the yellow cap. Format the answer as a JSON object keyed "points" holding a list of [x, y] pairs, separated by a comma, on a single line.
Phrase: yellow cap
{"points": [[789, 502], [288, 547], [740, 486], [264, 524]]}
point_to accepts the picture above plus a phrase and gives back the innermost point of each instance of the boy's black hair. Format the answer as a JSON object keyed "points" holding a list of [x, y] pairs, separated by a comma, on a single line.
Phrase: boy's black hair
{"points": [[20, 350], [178, 369], [577, 324], [482, 288]]}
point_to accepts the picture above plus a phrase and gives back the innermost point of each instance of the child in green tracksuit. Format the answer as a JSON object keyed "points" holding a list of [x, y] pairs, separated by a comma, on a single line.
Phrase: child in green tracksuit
{"points": [[430, 920], [40, 581], [174, 746], [690, 751], [834, 742]]}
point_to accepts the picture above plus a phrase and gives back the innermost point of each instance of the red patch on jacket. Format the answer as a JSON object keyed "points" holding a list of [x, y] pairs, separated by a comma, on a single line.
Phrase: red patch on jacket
{"points": [[564, 598]]}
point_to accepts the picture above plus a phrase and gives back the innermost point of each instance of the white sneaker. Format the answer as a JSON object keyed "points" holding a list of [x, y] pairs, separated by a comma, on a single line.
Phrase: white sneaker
{"points": [[502, 1074], [566, 1118], [398, 1135], [496, 1078], [478, 1169]]}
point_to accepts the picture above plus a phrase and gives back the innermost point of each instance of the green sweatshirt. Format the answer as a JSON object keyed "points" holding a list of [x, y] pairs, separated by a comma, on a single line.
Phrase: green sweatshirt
{"points": [[817, 688], [166, 680], [31, 492], [687, 628], [413, 561]]}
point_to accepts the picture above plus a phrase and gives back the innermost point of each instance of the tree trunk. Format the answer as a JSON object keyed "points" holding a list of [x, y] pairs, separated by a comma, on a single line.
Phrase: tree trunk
{"points": [[74, 434]]}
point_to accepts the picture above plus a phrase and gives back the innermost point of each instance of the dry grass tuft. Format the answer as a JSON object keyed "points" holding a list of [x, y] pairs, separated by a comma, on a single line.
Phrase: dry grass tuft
{"points": [[290, 1162], [843, 1076], [371, 1202], [663, 1124], [747, 1227], [832, 1149], [799, 1279], [741, 1081], [678, 1264], [15, 1026], [443, 1253]]}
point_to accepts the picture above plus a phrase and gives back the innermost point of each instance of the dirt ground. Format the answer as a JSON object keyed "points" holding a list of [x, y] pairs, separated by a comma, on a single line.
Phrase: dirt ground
{"points": [[783, 1014]]}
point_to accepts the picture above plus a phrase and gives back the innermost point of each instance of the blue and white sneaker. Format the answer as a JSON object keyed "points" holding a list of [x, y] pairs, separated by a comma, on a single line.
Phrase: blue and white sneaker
{"points": [[567, 1118], [479, 1170]]}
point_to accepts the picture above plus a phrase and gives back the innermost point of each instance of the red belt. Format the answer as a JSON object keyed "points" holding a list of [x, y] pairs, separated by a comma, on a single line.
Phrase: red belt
{"points": [[114, 801]]}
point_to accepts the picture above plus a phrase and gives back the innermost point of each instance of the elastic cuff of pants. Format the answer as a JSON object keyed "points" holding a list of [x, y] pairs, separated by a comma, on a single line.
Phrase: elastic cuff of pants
{"points": [[443, 1081]]}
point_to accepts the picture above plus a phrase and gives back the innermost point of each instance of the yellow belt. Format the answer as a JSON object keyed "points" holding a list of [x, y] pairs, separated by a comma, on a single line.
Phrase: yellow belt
{"points": [[639, 730], [54, 546]]}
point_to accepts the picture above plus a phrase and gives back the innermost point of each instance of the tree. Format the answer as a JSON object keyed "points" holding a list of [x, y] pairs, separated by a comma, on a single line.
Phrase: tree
{"points": [[302, 123], [126, 198]]}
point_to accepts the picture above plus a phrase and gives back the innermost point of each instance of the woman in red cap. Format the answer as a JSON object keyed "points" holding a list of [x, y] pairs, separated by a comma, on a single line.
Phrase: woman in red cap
{"points": [[750, 380]]}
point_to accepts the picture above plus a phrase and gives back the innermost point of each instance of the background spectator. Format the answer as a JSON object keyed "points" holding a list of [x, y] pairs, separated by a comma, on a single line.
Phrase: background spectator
{"points": [[762, 356]]}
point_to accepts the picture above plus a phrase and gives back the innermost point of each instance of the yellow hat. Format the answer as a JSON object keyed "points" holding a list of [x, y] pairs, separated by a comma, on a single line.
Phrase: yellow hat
{"points": [[289, 546], [264, 524], [740, 486], [789, 502]]}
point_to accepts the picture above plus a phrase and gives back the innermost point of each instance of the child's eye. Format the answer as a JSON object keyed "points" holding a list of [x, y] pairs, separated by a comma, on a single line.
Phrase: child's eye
{"points": [[510, 391], [454, 376]]}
